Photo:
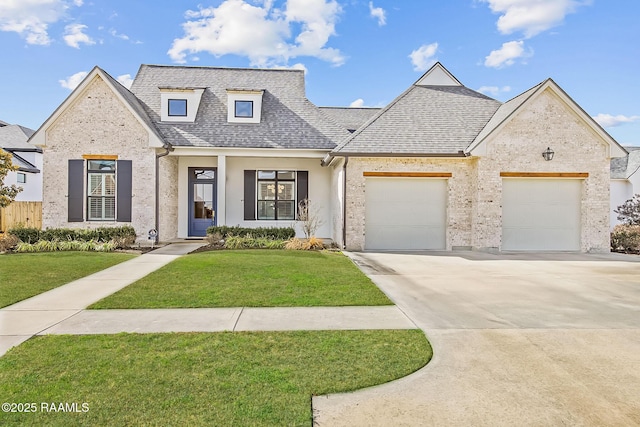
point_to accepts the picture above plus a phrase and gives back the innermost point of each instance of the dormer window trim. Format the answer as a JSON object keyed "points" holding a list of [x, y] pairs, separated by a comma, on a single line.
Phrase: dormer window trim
{"points": [[239, 99], [188, 97]]}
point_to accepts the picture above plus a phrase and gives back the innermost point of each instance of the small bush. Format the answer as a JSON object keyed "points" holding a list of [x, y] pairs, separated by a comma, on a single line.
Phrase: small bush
{"points": [[625, 238], [8, 242], [310, 244], [629, 211], [274, 233], [123, 236], [250, 242]]}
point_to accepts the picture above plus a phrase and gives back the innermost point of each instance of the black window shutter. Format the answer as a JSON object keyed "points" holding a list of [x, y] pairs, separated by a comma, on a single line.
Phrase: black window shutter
{"points": [[75, 190], [249, 195], [123, 190], [303, 185]]}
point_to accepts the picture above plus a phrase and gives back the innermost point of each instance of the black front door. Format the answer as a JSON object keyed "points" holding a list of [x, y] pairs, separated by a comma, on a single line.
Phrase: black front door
{"points": [[202, 200]]}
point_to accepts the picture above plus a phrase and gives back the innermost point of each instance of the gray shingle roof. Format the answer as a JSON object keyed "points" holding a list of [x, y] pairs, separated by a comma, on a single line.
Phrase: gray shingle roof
{"points": [[624, 167], [350, 117], [424, 120], [289, 120], [15, 136]]}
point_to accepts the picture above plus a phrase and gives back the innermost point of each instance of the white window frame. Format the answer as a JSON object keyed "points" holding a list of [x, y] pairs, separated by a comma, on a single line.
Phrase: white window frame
{"points": [[103, 196]]}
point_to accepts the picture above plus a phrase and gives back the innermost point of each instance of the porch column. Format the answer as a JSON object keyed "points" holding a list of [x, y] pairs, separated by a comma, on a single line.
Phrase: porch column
{"points": [[221, 217]]}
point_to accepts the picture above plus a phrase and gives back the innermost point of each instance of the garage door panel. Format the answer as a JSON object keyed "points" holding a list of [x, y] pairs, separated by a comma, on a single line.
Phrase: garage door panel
{"points": [[405, 213], [541, 214]]}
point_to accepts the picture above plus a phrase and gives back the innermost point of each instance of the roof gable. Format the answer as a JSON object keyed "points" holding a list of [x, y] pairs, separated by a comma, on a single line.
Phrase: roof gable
{"points": [[437, 75], [122, 93], [440, 119], [509, 109]]}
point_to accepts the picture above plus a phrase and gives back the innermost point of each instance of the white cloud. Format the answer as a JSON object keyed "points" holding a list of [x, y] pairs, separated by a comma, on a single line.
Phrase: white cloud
{"points": [[507, 54], [31, 18], [378, 13], [74, 35], [232, 28], [125, 80], [608, 120], [532, 16], [494, 90], [423, 57], [73, 81], [358, 103], [114, 33]]}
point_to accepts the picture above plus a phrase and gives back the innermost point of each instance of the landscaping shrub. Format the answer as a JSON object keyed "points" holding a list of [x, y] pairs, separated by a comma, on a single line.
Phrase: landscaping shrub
{"points": [[272, 233], [7, 242], [250, 242], [123, 236], [65, 245], [629, 211], [625, 238], [312, 243]]}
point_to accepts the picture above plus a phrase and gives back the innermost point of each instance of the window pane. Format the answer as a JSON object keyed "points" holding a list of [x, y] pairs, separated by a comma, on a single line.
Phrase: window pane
{"points": [[102, 165], [286, 175], [177, 107], [22, 178], [266, 174], [109, 185], [286, 210], [244, 108], [285, 190], [204, 174], [266, 210], [95, 184], [266, 190], [102, 208]]}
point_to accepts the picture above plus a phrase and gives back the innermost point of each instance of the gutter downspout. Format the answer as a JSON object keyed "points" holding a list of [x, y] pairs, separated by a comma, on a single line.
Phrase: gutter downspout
{"points": [[168, 149], [344, 202]]}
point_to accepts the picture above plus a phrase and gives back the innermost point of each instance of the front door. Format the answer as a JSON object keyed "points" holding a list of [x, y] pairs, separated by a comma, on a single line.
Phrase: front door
{"points": [[202, 200]]}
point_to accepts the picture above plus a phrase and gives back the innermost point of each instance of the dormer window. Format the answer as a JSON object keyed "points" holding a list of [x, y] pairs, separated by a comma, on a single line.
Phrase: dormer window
{"points": [[244, 109], [244, 105], [177, 107], [179, 104]]}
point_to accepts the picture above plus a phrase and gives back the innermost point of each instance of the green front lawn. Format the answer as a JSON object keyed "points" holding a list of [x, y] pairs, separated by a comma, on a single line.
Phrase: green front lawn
{"points": [[25, 275], [221, 379], [251, 278]]}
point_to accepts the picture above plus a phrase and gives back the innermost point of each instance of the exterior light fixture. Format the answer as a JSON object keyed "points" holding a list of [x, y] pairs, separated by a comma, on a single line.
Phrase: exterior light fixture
{"points": [[548, 154]]}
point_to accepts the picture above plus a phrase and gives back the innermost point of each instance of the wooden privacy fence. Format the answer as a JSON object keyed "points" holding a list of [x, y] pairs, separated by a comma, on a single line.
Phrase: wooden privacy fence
{"points": [[27, 214]]}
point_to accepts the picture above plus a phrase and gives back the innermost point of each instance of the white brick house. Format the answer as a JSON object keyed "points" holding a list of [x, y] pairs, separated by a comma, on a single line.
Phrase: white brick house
{"points": [[441, 167]]}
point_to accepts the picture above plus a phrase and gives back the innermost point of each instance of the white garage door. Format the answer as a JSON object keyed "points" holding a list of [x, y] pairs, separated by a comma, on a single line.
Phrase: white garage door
{"points": [[541, 214], [405, 213]]}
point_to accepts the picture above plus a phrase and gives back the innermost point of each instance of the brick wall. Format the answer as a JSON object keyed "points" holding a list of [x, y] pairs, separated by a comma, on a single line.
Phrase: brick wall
{"points": [[97, 123], [474, 211]]}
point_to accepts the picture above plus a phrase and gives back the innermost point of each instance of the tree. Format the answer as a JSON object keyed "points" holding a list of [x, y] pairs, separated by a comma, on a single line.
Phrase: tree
{"points": [[7, 193], [629, 211], [309, 218]]}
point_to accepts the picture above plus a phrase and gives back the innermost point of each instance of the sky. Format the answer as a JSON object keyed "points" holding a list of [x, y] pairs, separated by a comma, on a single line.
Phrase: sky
{"points": [[357, 53]]}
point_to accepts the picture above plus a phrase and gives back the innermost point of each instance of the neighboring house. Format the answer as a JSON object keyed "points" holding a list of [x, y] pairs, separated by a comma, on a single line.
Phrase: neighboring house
{"points": [[625, 180], [441, 167], [28, 158]]}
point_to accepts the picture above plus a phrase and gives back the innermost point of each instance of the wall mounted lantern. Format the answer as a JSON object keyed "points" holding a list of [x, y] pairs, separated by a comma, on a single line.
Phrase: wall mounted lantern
{"points": [[548, 154]]}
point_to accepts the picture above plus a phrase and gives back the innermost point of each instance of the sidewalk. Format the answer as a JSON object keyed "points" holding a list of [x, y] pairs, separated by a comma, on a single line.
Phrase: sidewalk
{"points": [[21, 321], [62, 310]]}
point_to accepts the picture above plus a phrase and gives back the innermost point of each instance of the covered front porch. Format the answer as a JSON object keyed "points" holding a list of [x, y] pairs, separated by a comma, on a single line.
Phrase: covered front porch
{"points": [[251, 188]]}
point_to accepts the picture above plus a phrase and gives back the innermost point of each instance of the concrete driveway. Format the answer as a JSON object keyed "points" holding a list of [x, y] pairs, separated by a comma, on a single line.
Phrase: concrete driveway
{"points": [[533, 340]]}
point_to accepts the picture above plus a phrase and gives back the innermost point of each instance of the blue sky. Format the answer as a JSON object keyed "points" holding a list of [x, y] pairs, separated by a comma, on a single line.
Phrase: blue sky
{"points": [[355, 52]]}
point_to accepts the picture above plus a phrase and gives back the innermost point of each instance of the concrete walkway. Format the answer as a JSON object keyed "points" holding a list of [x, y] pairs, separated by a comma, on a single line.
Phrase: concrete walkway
{"points": [[21, 321], [62, 310]]}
